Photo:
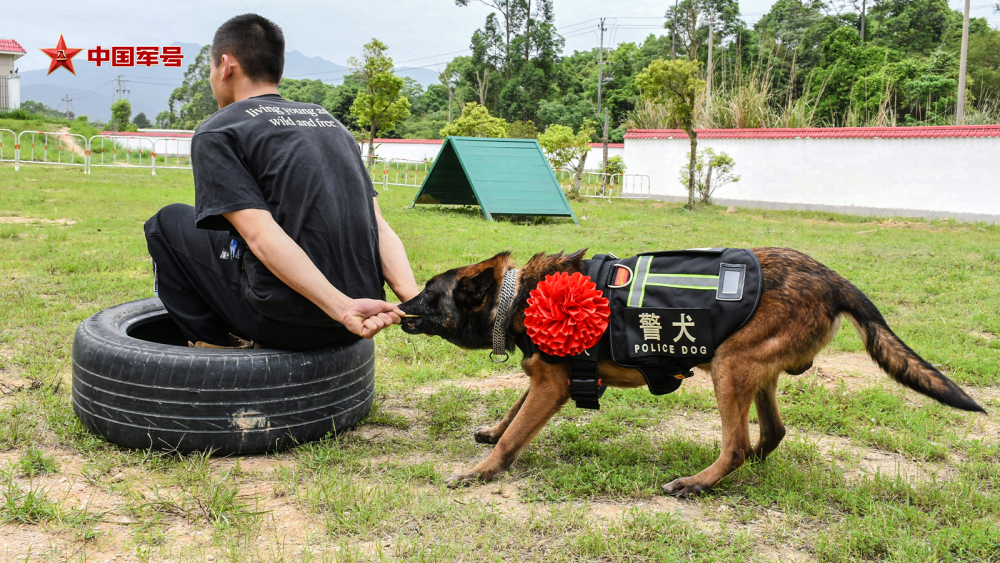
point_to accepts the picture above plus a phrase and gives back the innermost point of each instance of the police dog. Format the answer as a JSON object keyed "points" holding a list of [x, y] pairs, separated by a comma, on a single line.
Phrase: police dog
{"points": [[800, 308]]}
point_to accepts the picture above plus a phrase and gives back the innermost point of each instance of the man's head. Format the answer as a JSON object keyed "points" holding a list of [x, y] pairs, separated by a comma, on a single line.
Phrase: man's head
{"points": [[248, 51]]}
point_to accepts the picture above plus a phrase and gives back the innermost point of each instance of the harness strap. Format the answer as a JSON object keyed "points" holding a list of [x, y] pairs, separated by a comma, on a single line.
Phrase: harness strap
{"points": [[585, 386]]}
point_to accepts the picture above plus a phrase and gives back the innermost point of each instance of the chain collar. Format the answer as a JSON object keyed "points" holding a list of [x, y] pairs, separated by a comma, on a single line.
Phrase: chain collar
{"points": [[499, 353]]}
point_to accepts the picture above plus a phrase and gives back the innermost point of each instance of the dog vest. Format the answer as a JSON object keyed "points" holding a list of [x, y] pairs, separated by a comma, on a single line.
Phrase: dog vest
{"points": [[669, 312]]}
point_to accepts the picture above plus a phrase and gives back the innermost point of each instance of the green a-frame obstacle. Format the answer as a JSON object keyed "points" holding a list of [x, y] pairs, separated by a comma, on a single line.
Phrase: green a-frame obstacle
{"points": [[501, 176]]}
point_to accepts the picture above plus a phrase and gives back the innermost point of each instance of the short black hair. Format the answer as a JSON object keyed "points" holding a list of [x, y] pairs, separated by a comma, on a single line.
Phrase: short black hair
{"points": [[256, 42]]}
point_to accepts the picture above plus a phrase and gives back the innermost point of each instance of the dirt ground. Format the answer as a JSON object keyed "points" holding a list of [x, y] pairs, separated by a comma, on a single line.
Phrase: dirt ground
{"points": [[290, 531]]}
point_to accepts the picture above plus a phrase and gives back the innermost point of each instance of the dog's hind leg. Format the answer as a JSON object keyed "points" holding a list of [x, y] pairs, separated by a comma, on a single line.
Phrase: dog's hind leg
{"points": [[771, 428], [492, 434], [546, 394], [734, 392]]}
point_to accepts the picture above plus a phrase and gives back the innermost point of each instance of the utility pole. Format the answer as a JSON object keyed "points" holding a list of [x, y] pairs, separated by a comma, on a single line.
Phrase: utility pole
{"points": [[673, 32], [710, 67], [960, 110], [121, 92], [600, 101], [863, 6], [67, 99], [600, 67]]}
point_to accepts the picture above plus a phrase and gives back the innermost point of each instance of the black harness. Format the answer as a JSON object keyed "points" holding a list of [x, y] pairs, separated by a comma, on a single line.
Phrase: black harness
{"points": [[669, 312]]}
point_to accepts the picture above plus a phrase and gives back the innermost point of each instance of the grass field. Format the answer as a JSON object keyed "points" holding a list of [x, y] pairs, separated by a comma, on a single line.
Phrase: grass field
{"points": [[868, 471]]}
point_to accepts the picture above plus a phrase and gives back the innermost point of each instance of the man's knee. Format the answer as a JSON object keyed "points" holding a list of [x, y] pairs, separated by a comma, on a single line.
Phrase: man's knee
{"points": [[169, 220]]}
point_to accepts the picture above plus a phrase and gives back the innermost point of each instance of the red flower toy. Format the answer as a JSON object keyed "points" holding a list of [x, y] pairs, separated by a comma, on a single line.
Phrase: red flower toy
{"points": [[566, 314]]}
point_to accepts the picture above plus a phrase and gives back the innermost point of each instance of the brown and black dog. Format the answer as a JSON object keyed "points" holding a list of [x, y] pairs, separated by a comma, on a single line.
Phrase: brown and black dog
{"points": [[799, 312]]}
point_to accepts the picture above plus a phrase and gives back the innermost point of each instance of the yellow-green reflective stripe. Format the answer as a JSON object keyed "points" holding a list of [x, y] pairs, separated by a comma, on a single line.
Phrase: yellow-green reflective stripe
{"points": [[635, 293], [691, 281], [682, 286]]}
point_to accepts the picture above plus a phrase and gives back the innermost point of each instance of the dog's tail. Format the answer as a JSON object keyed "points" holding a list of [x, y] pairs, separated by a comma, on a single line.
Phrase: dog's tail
{"points": [[895, 357]]}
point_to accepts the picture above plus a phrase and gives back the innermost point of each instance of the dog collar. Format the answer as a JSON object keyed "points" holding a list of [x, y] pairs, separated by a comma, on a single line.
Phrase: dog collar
{"points": [[499, 353]]}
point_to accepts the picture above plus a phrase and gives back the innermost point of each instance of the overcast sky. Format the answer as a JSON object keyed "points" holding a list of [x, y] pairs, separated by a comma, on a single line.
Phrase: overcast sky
{"points": [[418, 32]]}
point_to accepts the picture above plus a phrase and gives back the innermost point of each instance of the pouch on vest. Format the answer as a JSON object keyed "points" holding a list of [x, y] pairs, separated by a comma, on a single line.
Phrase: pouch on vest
{"points": [[670, 310]]}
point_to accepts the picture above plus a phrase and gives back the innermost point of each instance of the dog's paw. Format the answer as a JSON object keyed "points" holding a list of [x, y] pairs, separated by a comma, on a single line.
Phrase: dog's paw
{"points": [[682, 488], [484, 435], [463, 480]]}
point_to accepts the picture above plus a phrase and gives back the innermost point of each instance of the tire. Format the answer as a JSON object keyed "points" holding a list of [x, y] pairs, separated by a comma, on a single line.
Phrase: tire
{"points": [[137, 384]]}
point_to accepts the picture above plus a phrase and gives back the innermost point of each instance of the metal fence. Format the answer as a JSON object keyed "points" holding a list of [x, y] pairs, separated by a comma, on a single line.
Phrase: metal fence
{"points": [[136, 152], [599, 184], [8, 145], [397, 171], [44, 147], [163, 157]]}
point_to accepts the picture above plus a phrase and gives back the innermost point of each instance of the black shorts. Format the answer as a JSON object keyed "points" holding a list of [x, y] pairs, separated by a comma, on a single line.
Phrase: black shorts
{"points": [[197, 276]]}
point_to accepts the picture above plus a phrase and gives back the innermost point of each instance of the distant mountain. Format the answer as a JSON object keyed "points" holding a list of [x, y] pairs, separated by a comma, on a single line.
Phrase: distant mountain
{"points": [[92, 90], [425, 76]]}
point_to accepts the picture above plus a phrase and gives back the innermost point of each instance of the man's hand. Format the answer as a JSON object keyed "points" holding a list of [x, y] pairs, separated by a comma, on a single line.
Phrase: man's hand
{"points": [[366, 317], [286, 259]]}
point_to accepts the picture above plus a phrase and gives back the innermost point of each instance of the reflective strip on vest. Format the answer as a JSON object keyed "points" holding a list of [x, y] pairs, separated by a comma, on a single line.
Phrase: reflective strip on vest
{"points": [[644, 277]]}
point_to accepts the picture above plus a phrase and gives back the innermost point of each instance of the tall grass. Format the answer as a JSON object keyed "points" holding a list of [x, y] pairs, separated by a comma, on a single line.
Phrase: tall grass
{"points": [[746, 98]]}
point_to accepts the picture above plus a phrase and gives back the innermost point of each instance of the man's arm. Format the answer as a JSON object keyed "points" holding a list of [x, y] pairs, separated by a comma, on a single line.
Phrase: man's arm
{"points": [[395, 265], [286, 259]]}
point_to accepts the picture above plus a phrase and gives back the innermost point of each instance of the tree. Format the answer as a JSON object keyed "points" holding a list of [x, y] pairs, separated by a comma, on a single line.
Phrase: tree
{"points": [[476, 121], [141, 121], [712, 171], [308, 91], [563, 147], [121, 116], [690, 20], [193, 101], [512, 15], [522, 130], [676, 85], [380, 104]]}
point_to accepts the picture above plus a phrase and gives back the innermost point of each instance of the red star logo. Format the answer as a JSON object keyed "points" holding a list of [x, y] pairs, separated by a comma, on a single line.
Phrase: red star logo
{"points": [[61, 56]]}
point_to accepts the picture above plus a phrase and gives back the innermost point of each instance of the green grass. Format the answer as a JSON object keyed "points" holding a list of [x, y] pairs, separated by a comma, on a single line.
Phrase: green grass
{"points": [[377, 492]]}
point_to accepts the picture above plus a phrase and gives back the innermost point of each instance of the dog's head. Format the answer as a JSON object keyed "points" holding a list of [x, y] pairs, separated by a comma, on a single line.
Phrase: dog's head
{"points": [[459, 304]]}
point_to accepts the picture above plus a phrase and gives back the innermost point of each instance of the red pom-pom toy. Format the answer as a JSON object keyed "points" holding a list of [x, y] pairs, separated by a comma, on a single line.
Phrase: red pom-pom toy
{"points": [[566, 314]]}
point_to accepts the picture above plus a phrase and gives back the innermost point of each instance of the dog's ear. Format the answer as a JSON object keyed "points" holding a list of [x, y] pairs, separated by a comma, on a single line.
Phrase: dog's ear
{"points": [[472, 291]]}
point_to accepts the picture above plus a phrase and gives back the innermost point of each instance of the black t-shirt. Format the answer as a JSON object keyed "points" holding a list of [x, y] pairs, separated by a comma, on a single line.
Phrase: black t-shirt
{"points": [[301, 164]]}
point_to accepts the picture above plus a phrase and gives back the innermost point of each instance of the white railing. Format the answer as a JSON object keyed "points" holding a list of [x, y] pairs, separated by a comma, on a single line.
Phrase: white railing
{"points": [[46, 147], [599, 184], [397, 171], [403, 172], [134, 152], [8, 145], [182, 162]]}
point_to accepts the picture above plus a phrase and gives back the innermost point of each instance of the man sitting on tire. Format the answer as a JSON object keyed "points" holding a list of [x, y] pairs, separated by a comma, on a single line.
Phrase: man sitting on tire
{"points": [[286, 245]]}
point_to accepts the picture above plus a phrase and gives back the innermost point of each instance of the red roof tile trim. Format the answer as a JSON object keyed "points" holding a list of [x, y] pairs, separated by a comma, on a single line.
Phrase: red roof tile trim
{"points": [[825, 133], [146, 134], [439, 141], [11, 46]]}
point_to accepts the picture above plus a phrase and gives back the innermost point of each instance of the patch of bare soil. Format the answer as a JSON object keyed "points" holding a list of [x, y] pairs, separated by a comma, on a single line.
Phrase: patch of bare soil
{"points": [[498, 382], [17, 220], [987, 336], [70, 142]]}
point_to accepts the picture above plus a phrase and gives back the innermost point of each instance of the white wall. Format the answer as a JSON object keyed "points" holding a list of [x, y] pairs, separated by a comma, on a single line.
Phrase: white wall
{"points": [[928, 177], [426, 150], [14, 92]]}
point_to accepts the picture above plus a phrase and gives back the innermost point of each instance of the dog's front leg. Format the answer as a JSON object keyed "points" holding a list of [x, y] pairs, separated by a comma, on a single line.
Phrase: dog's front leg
{"points": [[546, 394], [492, 434]]}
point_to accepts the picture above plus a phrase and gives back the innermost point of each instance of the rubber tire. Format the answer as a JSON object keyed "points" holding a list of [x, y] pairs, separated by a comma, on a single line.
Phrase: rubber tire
{"points": [[164, 395]]}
